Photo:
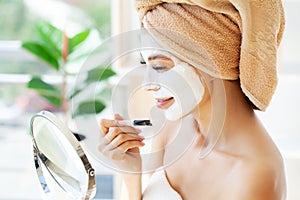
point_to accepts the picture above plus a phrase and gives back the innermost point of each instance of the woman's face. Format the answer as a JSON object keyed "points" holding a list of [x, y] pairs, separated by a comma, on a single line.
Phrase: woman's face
{"points": [[176, 85]]}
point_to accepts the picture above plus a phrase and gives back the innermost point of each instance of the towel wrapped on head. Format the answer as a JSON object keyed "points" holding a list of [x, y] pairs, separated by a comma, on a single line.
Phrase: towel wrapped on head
{"points": [[228, 39]]}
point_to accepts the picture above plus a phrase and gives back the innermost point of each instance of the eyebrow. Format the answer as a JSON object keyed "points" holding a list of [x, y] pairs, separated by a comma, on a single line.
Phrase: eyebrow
{"points": [[158, 56]]}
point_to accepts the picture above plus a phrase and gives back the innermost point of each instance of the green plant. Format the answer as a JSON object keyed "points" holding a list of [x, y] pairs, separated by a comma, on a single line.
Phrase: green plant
{"points": [[56, 49]]}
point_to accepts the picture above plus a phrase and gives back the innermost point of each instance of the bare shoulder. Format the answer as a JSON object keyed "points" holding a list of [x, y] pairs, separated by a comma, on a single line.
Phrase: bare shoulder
{"points": [[259, 180], [260, 172]]}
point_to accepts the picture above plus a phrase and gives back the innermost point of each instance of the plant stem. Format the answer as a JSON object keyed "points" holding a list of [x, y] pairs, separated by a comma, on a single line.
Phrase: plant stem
{"points": [[65, 52], [64, 96]]}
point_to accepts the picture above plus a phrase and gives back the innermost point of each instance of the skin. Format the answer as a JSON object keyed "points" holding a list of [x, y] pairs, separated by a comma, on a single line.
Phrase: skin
{"points": [[244, 163], [172, 79]]}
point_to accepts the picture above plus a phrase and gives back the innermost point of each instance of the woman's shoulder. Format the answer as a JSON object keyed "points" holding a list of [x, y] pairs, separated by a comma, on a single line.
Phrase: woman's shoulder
{"points": [[259, 169], [260, 178]]}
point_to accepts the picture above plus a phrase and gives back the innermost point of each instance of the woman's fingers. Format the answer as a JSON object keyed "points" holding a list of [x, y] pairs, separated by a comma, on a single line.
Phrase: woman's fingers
{"points": [[118, 138], [105, 124], [118, 117], [115, 131], [120, 146], [115, 139], [127, 139], [124, 147]]}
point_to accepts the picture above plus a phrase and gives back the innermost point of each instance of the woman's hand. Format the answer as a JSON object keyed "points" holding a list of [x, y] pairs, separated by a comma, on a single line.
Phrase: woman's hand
{"points": [[120, 143]]}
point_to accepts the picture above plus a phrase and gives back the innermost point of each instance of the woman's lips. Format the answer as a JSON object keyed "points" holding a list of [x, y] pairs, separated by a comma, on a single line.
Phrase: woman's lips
{"points": [[164, 103]]}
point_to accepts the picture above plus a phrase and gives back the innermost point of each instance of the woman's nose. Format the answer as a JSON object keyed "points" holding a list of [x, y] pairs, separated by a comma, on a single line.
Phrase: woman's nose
{"points": [[151, 86], [150, 80]]}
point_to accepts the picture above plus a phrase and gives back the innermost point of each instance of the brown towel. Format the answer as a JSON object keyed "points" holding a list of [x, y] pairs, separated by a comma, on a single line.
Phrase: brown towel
{"points": [[228, 39]]}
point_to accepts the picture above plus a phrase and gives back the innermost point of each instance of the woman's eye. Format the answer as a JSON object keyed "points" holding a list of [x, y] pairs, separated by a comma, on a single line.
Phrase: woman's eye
{"points": [[160, 68]]}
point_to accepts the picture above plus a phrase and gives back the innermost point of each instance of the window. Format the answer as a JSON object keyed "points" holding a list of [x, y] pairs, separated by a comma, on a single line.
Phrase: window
{"points": [[18, 19], [17, 104]]}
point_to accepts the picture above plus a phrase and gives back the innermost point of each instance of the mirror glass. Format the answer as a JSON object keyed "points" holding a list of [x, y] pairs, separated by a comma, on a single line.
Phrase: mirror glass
{"points": [[60, 159]]}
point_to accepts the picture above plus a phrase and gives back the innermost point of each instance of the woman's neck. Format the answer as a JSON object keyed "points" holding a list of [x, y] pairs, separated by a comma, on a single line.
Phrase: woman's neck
{"points": [[224, 112]]}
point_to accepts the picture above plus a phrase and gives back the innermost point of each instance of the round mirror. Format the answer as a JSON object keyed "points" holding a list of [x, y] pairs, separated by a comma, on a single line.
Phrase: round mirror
{"points": [[60, 160]]}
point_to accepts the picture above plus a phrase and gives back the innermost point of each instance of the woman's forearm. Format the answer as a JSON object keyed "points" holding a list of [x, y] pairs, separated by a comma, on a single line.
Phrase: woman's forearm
{"points": [[131, 187]]}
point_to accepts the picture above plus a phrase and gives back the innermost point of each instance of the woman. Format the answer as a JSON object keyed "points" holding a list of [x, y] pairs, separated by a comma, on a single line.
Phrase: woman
{"points": [[226, 50]]}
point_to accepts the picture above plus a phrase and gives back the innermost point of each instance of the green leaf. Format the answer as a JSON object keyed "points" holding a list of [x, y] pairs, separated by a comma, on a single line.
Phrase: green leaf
{"points": [[91, 50], [38, 84], [54, 100], [99, 74], [94, 75], [77, 39], [89, 107], [51, 36], [104, 94], [42, 52], [75, 92], [51, 93]]}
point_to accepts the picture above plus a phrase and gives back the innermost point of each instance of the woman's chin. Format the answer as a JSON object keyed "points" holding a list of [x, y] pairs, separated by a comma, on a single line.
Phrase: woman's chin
{"points": [[173, 115]]}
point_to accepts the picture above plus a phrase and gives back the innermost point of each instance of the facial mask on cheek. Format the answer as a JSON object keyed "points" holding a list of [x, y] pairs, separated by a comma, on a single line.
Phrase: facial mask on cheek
{"points": [[180, 82], [184, 85], [192, 79]]}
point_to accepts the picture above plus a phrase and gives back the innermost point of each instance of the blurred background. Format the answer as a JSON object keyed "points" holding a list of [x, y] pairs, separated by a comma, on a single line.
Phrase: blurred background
{"points": [[106, 18]]}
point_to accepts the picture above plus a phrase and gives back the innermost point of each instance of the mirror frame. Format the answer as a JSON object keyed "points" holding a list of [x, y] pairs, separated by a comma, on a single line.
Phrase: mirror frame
{"points": [[41, 158]]}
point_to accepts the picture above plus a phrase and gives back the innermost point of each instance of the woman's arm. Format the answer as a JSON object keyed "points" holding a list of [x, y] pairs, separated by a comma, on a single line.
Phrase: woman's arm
{"points": [[132, 184], [120, 144], [131, 187]]}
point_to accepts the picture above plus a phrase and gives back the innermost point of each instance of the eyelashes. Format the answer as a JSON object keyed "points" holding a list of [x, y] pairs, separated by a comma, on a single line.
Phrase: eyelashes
{"points": [[160, 68]]}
